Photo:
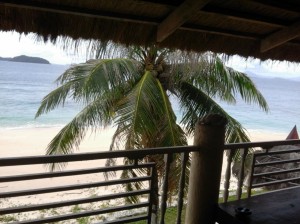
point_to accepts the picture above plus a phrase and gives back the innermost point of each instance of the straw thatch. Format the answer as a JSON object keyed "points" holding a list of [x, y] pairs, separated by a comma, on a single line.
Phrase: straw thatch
{"points": [[262, 29]]}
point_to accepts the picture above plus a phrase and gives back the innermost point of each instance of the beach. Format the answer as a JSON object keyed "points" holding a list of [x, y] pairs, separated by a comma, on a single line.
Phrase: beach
{"points": [[22, 88], [33, 141]]}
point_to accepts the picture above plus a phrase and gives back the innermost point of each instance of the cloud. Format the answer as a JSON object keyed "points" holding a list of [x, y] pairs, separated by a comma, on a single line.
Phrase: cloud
{"points": [[267, 68]]}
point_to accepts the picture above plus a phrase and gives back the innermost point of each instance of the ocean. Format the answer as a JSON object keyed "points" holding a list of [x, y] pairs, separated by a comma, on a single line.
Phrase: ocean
{"points": [[282, 96], [23, 85]]}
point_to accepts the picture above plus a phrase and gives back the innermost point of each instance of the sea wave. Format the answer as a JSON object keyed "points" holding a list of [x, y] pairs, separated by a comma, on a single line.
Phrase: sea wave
{"points": [[30, 126]]}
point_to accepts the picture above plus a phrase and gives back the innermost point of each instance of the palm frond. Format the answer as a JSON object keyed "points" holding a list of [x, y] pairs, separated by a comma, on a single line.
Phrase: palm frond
{"points": [[91, 117], [135, 111], [170, 133], [57, 97], [209, 73], [116, 144], [146, 113], [197, 104], [86, 82], [226, 83]]}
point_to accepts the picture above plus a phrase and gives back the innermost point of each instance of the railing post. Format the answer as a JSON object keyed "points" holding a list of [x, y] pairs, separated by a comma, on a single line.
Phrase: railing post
{"points": [[184, 160], [228, 175], [153, 207], [250, 181], [241, 177], [164, 196], [206, 167]]}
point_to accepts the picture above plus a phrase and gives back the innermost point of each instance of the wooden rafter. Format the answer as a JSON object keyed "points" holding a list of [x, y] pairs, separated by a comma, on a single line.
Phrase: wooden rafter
{"points": [[55, 8], [282, 36], [288, 7], [243, 17], [178, 17]]}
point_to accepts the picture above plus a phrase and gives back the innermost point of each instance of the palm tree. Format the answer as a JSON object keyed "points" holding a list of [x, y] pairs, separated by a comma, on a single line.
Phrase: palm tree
{"points": [[134, 90]]}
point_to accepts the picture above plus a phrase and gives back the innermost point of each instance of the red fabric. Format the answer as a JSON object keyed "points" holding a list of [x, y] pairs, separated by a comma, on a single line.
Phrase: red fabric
{"points": [[293, 134]]}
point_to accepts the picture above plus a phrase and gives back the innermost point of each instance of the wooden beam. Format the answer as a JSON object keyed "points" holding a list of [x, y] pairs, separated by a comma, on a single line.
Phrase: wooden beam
{"points": [[286, 6], [280, 37], [77, 11], [225, 13], [178, 17]]}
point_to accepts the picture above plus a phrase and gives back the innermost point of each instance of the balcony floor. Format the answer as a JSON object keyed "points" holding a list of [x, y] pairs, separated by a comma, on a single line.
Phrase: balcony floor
{"points": [[277, 207]]}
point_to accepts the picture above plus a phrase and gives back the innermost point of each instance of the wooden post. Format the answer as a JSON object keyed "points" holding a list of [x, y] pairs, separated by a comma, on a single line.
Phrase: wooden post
{"points": [[228, 175], [206, 167], [153, 200]]}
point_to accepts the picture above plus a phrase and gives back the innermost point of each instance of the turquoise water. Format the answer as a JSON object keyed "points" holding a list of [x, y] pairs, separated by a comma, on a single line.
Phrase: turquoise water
{"points": [[23, 85], [283, 97]]}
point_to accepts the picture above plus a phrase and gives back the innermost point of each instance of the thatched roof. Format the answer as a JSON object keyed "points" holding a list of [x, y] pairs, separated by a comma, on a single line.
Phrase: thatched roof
{"points": [[264, 29]]}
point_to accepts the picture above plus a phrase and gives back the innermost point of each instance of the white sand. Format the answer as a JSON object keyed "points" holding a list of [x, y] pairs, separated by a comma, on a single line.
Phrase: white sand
{"points": [[266, 136], [30, 142], [33, 141]]}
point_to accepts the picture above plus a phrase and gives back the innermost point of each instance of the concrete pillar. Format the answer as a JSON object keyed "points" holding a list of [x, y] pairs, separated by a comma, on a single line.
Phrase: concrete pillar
{"points": [[206, 167]]}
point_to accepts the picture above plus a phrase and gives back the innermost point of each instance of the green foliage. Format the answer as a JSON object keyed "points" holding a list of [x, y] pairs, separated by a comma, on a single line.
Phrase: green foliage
{"points": [[134, 93], [133, 90], [76, 209], [83, 220], [7, 218]]}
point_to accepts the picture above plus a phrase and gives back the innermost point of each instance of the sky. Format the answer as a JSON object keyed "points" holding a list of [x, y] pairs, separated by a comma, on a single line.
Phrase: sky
{"points": [[12, 44], [266, 69]]}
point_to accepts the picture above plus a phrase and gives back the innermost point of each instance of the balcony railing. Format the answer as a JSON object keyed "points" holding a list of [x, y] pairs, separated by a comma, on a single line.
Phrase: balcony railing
{"points": [[41, 198], [244, 149]]}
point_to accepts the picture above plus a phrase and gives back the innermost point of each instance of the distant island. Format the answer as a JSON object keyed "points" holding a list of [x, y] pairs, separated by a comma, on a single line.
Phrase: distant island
{"points": [[27, 59]]}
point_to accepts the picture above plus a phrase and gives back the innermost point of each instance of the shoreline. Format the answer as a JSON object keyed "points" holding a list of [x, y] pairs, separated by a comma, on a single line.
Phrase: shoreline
{"points": [[33, 141]]}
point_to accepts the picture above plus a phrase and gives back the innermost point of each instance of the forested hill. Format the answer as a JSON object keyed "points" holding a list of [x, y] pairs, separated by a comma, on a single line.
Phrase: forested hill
{"points": [[28, 59]]}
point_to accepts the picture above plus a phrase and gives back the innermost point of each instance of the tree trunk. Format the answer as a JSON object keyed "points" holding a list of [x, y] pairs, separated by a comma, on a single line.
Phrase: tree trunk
{"points": [[206, 167]]}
